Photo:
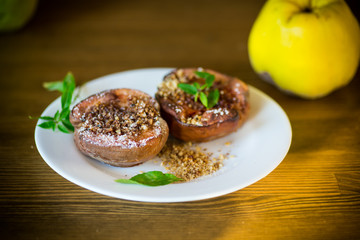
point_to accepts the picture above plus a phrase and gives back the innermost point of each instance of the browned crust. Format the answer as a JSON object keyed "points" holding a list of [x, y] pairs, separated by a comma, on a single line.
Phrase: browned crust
{"points": [[117, 150], [218, 127], [189, 132], [122, 156]]}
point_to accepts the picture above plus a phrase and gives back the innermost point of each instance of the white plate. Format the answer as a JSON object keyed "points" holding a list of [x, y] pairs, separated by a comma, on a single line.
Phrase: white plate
{"points": [[258, 146]]}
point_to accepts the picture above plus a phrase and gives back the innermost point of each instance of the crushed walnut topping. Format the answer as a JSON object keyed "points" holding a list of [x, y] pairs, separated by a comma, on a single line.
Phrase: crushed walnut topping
{"points": [[169, 88], [114, 118], [188, 161]]}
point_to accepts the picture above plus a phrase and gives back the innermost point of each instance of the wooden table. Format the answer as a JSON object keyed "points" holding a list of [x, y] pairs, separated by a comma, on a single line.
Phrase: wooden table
{"points": [[313, 194]]}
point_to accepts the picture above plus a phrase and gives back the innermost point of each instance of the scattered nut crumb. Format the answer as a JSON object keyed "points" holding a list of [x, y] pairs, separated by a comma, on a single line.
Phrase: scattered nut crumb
{"points": [[113, 118], [188, 161]]}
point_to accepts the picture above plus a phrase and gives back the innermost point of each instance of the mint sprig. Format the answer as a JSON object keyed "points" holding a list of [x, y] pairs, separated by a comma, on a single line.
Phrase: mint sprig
{"points": [[152, 178], [61, 120], [208, 100]]}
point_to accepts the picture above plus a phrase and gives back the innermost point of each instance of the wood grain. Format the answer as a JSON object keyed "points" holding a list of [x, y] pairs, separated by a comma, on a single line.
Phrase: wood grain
{"points": [[313, 194]]}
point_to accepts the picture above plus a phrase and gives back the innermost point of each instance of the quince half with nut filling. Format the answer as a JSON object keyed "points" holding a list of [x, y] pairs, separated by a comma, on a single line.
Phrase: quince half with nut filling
{"points": [[306, 47]]}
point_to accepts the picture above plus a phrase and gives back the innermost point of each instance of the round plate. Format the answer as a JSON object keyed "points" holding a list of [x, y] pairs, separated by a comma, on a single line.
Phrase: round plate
{"points": [[252, 149]]}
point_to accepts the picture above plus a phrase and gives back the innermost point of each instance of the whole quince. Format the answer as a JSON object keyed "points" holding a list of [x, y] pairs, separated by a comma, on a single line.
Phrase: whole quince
{"points": [[305, 47], [14, 14]]}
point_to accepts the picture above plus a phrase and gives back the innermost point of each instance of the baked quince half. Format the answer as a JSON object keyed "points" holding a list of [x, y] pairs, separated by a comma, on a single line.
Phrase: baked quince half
{"points": [[120, 127], [187, 117]]}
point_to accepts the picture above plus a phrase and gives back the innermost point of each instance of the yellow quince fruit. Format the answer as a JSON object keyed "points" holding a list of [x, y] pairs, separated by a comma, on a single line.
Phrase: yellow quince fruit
{"points": [[306, 47], [14, 14]]}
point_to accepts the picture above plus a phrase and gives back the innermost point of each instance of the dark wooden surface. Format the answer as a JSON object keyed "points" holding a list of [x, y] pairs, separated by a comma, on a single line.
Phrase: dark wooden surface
{"points": [[313, 194]]}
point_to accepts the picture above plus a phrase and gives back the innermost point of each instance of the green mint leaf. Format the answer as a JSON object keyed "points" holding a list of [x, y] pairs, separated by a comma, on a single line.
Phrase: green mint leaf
{"points": [[203, 75], [69, 81], [65, 113], [204, 99], [65, 98], [196, 96], [57, 116], [197, 85], [62, 128], [47, 125], [54, 86], [152, 178], [213, 98], [203, 87], [64, 116], [69, 87], [61, 118], [46, 118], [155, 178], [127, 181], [210, 80], [188, 88], [68, 124]]}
